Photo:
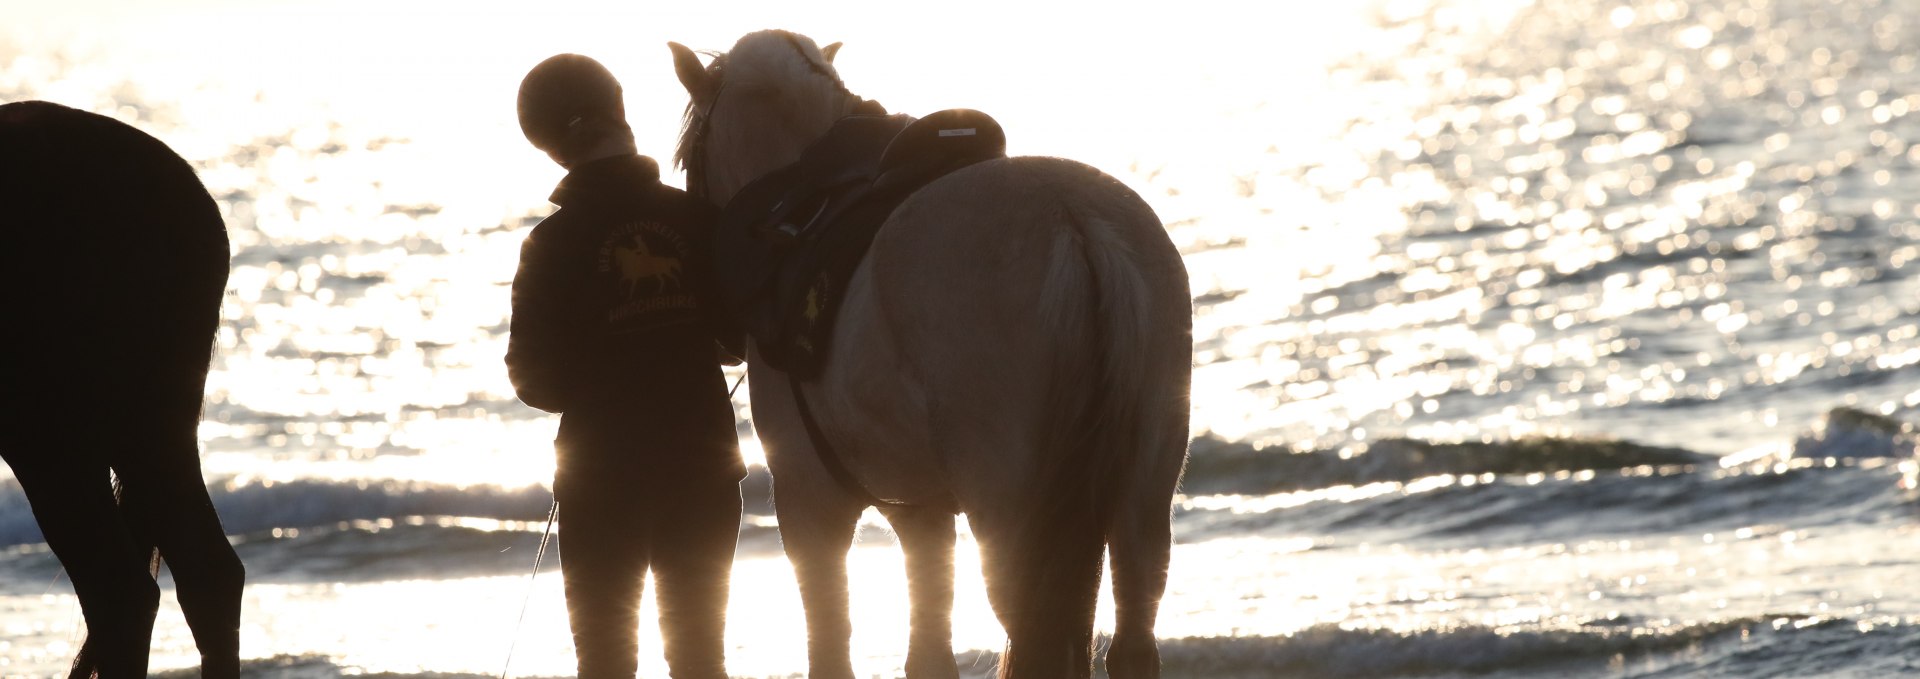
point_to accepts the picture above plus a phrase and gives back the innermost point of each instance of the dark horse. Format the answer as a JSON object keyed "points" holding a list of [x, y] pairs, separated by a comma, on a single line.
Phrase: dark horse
{"points": [[113, 262]]}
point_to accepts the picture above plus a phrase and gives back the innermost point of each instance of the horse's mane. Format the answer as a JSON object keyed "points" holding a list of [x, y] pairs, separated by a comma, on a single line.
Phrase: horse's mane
{"points": [[693, 122], [783, 64]]}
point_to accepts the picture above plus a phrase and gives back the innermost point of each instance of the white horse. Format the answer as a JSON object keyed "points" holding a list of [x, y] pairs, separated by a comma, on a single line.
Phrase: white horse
{"points": [[1017, 345]]}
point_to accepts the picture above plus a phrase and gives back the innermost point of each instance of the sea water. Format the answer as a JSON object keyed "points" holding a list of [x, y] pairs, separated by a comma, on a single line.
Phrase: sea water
{"points": [[1553, 338]]}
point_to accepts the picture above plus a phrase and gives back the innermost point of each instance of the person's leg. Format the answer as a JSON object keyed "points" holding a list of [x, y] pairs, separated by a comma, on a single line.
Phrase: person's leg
{"points": [[694, 536], [603, 559]]}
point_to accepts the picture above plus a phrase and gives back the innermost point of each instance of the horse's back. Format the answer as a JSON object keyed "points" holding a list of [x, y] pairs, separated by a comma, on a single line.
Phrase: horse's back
{"points": [[1000, 238], [77, 179], [114, 267]]}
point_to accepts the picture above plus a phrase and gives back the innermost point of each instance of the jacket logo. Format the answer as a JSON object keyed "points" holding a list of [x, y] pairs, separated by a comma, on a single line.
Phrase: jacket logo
{"points": [[637, 263], [645, 263]]}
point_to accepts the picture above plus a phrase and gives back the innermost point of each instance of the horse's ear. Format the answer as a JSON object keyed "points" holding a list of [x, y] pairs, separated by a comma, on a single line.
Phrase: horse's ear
{"points": [[829, 51], [693, 76]]}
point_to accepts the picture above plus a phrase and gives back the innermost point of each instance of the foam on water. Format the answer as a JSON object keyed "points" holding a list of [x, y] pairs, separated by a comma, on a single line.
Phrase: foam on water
{"points": [[1793, 645], [1786, 643]]}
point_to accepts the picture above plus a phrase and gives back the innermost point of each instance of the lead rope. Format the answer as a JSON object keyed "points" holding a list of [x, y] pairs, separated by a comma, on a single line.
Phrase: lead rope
{"points": [[539, 556]]}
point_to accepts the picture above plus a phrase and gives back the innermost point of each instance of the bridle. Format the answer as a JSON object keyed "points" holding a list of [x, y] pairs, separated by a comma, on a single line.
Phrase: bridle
{"points": [[696, 156]]}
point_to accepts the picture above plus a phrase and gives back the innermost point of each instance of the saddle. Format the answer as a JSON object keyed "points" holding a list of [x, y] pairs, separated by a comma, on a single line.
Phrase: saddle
{"points": [[786, 244]]}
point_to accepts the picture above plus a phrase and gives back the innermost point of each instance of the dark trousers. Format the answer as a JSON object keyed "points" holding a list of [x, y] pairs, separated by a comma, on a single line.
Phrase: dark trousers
{"points": [[618, 519]]}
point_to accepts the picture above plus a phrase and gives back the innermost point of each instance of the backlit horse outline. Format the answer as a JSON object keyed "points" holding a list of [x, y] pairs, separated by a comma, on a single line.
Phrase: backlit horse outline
{"points": [[99, 390], [1016, 345]]}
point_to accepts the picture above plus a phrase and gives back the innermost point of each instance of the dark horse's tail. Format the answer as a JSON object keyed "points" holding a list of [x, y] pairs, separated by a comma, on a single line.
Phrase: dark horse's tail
{"points": [[112, 270]]}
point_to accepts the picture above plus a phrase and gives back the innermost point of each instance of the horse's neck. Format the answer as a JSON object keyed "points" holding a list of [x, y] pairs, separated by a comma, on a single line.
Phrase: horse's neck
{"points": [[751, 141]]}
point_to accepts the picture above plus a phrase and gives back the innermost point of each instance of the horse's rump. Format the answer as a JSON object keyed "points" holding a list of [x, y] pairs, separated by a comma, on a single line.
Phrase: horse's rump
{"points": [[116, 261], [1014, 294]]}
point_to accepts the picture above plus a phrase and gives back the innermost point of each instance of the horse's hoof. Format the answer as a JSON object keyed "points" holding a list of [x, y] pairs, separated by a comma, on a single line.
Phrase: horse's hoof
{"points": [[932, 666]]}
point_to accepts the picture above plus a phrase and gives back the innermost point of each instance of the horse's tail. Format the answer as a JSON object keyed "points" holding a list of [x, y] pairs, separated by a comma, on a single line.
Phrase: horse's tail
{"points": [[1119, 303], [1119, 286], [1139, 443]]}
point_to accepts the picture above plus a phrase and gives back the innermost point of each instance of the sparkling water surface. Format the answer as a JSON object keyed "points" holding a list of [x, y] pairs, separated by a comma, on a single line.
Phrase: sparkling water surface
{"points": [[1687, 225]]}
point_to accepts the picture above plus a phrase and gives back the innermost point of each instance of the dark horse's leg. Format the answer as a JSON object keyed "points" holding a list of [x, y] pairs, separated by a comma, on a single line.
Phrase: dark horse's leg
{"points": [[163, 493], [75, 508], [165, 501], [926, 536], [112, 277], [179, 521]]}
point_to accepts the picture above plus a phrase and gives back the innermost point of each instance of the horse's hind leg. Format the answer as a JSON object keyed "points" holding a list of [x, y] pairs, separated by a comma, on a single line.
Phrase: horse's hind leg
{"points": [[1140, 535], [1140, 541], [1043, 577], [165, 498], [163, 493], [927, 537], [816, 532], [73, 501], [1140, 545]]}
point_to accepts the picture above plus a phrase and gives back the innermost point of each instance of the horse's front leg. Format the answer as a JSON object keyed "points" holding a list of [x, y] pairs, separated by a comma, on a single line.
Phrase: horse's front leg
{"points": [[926, 536], [817, 530]]}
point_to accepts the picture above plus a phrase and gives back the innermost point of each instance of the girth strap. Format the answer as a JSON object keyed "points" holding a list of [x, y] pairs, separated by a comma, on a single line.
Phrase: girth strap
{"points": [[831, 458]]}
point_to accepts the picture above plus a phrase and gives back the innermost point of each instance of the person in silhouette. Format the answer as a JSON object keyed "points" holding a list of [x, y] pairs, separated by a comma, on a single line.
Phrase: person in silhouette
{"points": [[610, 329]]}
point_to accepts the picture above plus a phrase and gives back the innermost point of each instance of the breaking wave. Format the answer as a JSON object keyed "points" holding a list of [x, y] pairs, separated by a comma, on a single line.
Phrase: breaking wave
{"points": [[1777, 646]]}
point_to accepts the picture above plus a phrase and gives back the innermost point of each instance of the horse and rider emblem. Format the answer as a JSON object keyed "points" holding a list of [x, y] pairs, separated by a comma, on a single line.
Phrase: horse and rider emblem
{"points": [[644, 263], [638, 264]]}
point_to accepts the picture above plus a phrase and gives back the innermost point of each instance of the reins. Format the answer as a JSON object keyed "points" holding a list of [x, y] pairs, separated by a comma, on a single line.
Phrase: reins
{"points": [[539, 556]]}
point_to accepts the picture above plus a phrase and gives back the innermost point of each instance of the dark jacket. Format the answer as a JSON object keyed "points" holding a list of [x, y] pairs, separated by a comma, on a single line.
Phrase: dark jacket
{"points": [[609, 312]]}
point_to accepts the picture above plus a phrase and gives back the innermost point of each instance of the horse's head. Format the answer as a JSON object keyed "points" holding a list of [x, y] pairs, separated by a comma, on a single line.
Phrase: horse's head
{"points": [[755, 108]]}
